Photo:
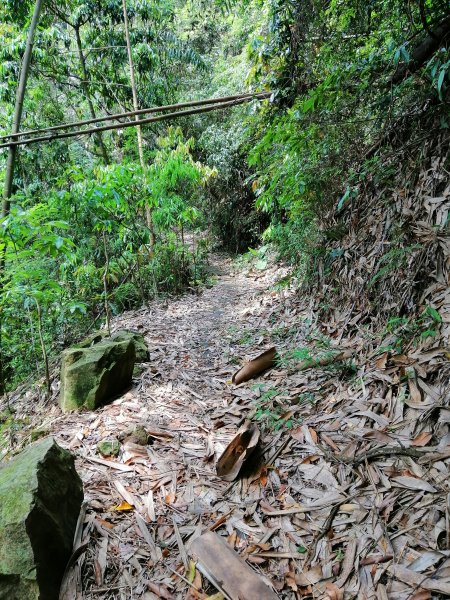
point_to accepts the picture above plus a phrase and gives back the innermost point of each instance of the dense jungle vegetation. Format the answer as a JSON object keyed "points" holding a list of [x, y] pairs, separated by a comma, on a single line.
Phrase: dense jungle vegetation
{"points": [[94, 227]]}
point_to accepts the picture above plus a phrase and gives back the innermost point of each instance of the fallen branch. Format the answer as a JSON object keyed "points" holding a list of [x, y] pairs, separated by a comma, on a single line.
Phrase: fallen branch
{"points": [[417, 453], [323, 360], [423, 52]]}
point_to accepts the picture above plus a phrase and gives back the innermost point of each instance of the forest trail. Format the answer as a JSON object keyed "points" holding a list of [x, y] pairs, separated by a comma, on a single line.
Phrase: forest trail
{"points": [[356, 483], [184, 400]]}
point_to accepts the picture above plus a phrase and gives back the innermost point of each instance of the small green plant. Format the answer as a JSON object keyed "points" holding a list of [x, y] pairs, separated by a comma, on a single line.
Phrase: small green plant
{"points": [[319, 339], [126, 296], [340, 555], [407, 330], [393, 260], [293, 356], [307, 398], [307, 355], [271, 416], [257, 258]]}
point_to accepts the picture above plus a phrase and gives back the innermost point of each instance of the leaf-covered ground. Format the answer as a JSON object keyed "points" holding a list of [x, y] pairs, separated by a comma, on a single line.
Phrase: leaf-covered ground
{"points": [[351, 499]]}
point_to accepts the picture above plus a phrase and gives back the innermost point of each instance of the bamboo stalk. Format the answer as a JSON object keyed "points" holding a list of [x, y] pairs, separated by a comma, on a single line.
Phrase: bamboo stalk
{"points": [[181, 113], [133, 84], [132, 113], [148, 209], [87, 93], [20, 95]]}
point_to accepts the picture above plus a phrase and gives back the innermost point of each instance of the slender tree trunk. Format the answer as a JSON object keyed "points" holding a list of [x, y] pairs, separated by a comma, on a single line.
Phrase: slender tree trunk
{"points": [[105, 285], [85, 87], [12, 150], [148, 210], [43, 348], [20, 94]]}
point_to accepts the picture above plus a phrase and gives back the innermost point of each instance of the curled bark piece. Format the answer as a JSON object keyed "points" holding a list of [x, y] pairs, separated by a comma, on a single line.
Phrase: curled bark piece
{"points": [[227, 571], [238, 451], [255, 367]]}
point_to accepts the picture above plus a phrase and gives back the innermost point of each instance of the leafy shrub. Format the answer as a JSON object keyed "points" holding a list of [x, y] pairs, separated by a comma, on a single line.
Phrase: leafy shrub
{"points": [[125, 296]]}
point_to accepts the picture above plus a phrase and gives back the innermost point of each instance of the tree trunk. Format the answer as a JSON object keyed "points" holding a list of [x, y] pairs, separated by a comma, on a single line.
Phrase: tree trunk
{"points": [[85, 87], [20, 94], [148, 210], [12, 150]]}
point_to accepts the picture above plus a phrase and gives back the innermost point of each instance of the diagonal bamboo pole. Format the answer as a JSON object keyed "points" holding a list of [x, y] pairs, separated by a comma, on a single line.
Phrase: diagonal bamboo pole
{"points": [[168, 116], [132, 113]]}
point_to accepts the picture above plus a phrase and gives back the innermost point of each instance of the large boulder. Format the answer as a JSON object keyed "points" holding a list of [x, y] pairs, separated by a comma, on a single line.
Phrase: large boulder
{"points": [[93, 375], [40, 499]]}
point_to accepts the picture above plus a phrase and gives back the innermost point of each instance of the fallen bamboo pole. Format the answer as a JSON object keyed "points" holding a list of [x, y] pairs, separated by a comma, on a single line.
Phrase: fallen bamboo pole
{"points": [[174, 115], [133, 113]]}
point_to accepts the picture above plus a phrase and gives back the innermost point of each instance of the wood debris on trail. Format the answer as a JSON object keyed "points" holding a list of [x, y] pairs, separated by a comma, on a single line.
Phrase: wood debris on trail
{"points": [[350, 497]]}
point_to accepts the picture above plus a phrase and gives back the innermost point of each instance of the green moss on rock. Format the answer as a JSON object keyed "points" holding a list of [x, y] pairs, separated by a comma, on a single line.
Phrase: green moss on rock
{"points": [[92, 376], [123, 335], [142, 354], [40, 499]]}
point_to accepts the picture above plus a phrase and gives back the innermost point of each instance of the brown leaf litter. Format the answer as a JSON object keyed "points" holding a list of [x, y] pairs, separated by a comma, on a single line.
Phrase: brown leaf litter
{"points": [[351, 497]]}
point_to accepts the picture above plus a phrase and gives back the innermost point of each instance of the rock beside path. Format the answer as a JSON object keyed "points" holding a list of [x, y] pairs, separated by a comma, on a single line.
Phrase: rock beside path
{"points": [[122, 335], [40, 499], [99, 368], [142, 353]]}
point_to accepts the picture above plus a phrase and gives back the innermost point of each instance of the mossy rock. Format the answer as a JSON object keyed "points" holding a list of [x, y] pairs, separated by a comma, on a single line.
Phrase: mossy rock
{"points": [[142, 354], [108, 448], [37, 434], [93, 376], [40, 499], [92, 339]]}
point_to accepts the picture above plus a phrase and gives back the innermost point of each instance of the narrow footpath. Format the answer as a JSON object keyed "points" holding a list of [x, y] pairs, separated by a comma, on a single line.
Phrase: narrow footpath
{"points": [[351, 498], [144, 504]]}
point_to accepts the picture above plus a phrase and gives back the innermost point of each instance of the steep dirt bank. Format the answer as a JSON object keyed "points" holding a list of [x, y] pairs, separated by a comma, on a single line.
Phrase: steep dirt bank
{"points": [[355, 501]]}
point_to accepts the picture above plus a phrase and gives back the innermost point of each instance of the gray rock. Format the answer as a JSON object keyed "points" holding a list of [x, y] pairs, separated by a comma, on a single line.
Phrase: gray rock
{"points": [[92, 376], [142, 353], [40, 499]]}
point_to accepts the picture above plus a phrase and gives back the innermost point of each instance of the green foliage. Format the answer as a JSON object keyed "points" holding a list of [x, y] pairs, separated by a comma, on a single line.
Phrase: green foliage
{"points": [[86, 246], [403, 331], [174, 177], [269, 413], [125, 297], [330, 66]]}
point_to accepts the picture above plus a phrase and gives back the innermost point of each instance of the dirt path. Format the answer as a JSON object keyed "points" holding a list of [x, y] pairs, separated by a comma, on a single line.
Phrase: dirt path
{"points": [[184, 400], [354, 505]]}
